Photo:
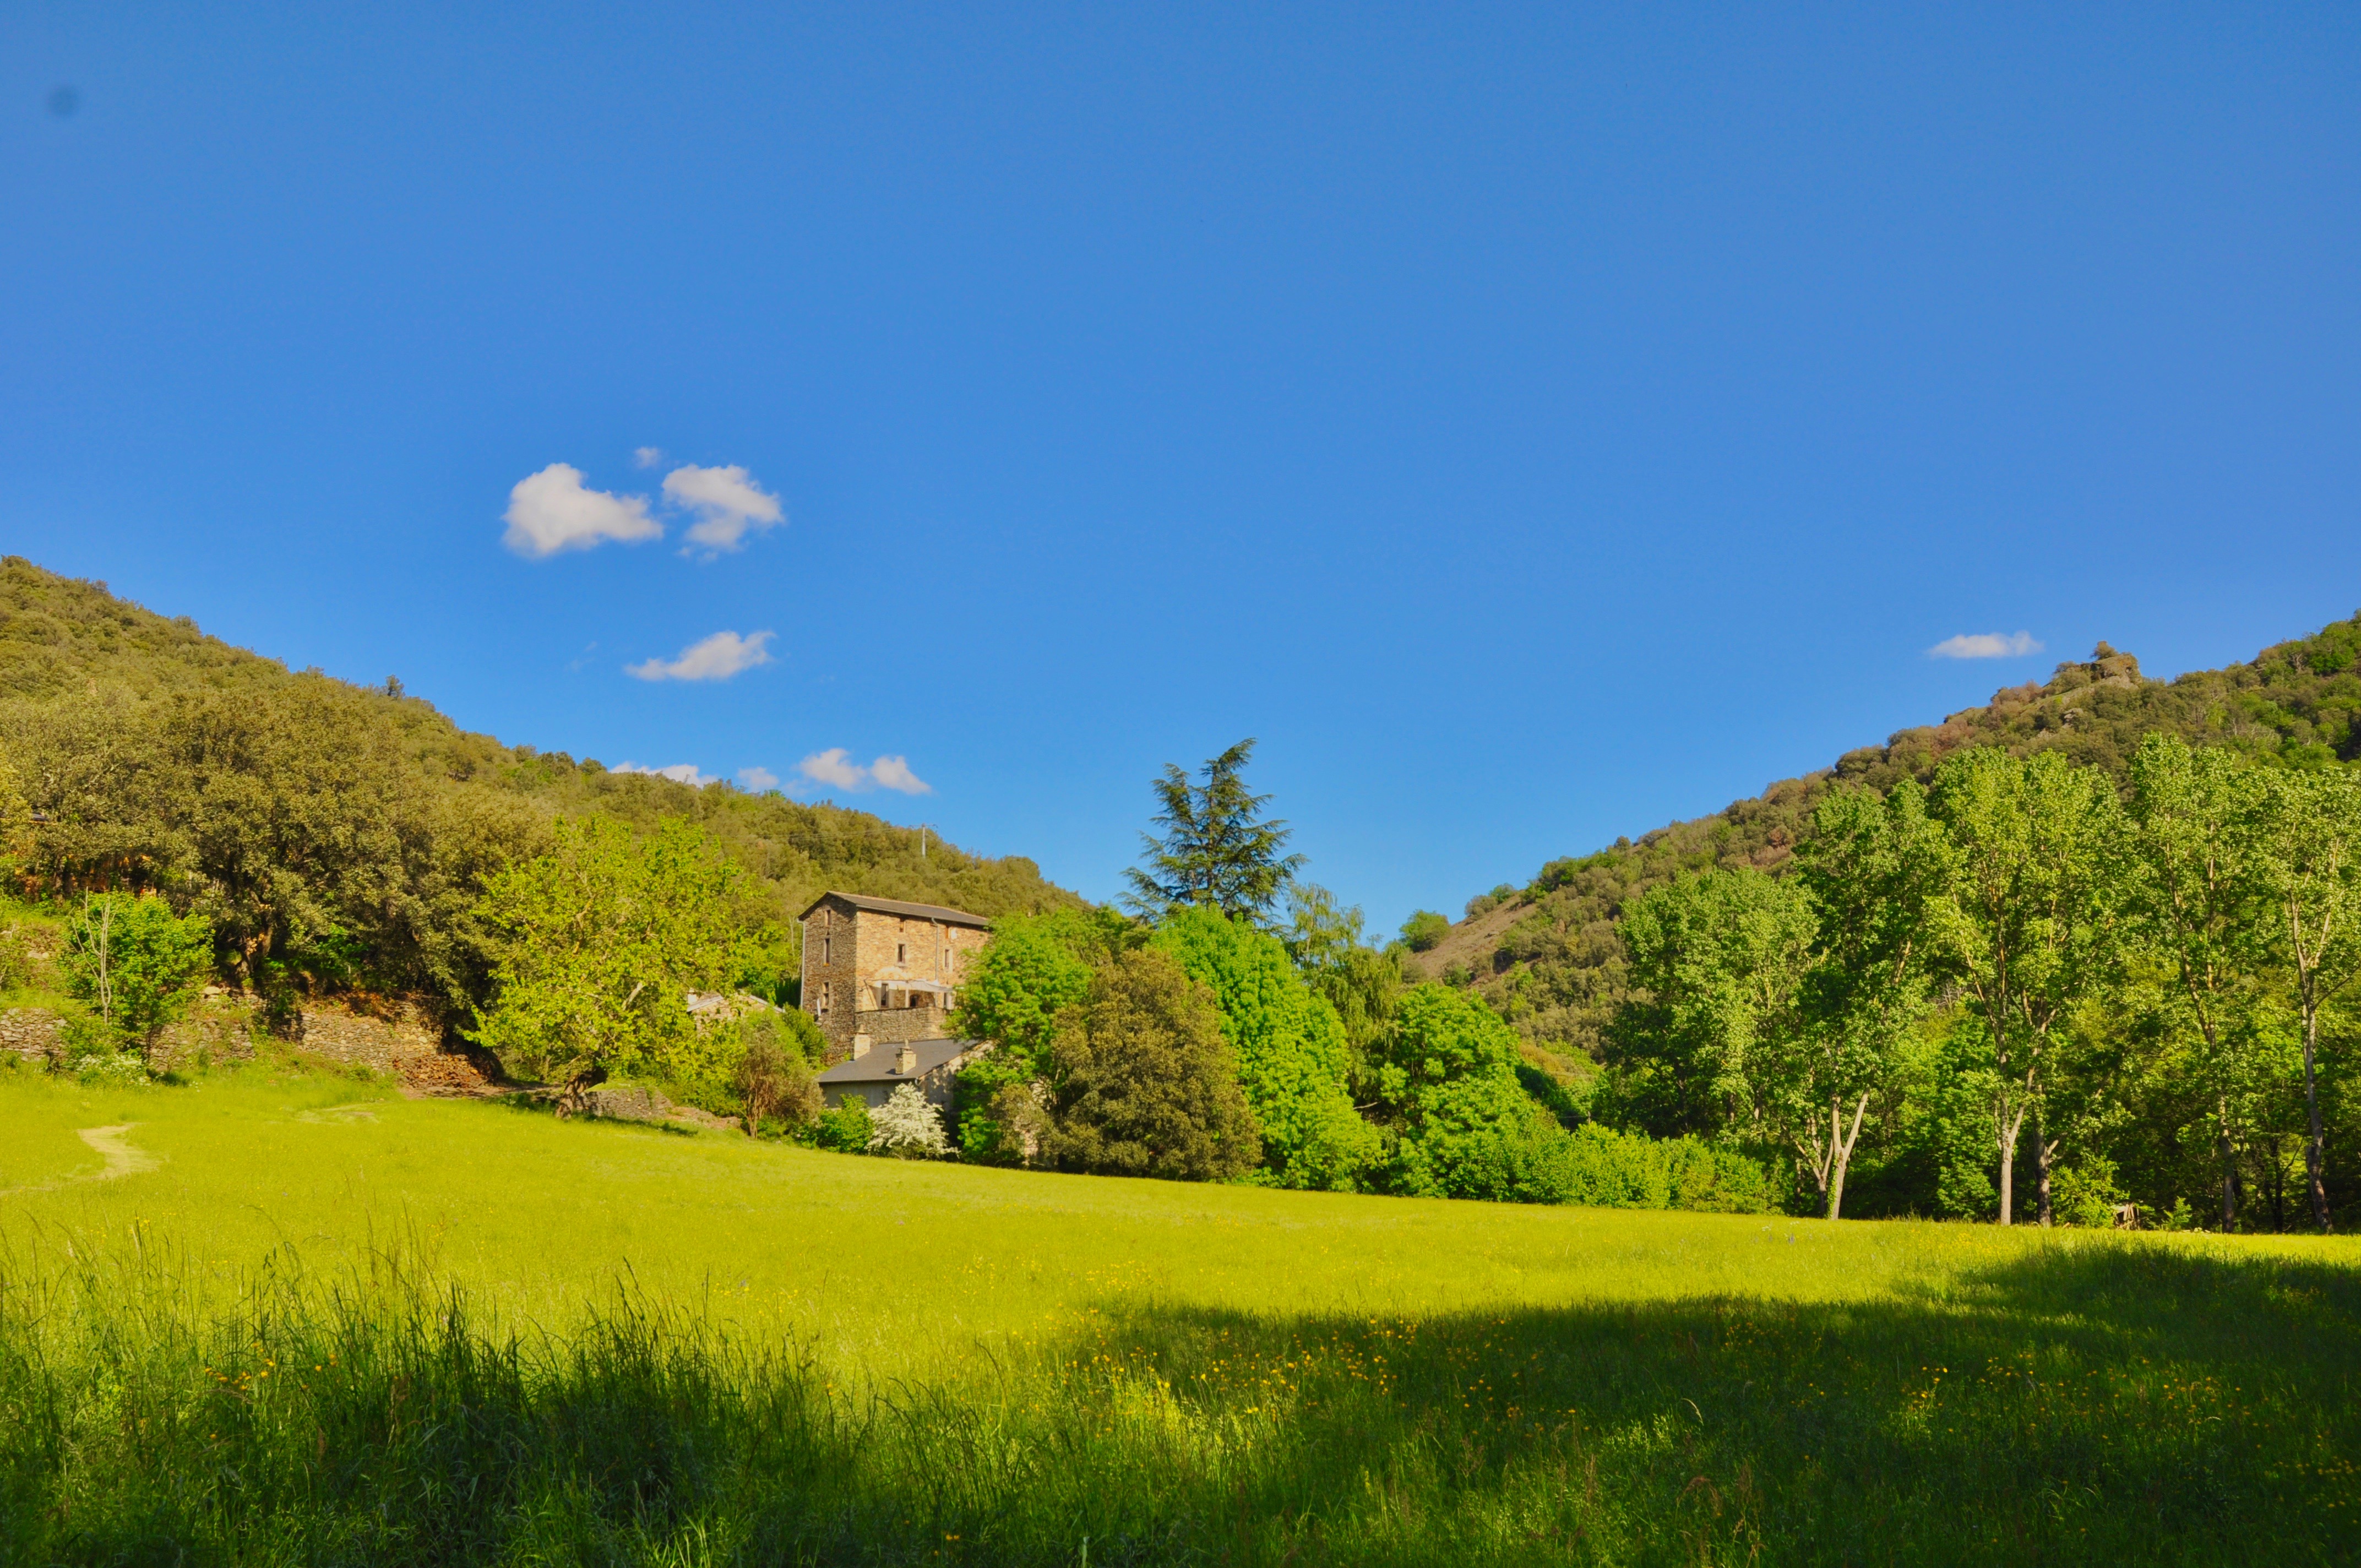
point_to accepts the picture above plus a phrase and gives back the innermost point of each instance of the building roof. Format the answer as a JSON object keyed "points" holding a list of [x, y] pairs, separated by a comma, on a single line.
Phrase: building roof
{"points": [[877, 1067], [896, 906]]}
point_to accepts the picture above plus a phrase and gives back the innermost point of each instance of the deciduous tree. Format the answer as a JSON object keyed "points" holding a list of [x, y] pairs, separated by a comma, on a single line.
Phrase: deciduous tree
{"points": [[1142, 1081], [2312, 863]]}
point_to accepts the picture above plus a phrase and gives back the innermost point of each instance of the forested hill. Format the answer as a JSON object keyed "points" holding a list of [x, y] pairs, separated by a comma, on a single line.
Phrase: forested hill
{"points": [[337, 833], [1546, 955]]}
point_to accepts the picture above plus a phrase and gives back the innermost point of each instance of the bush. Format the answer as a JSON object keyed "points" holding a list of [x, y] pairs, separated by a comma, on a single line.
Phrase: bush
{"points": [[1425, 931], [845, 1129], [907, 1125], [135, 962]]}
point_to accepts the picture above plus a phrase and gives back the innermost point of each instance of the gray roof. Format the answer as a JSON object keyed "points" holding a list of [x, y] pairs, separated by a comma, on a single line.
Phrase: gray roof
{"points": [[877, 1067], [895, 907]]}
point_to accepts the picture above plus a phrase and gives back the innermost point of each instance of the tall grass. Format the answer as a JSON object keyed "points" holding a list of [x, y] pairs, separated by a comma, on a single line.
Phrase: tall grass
{"points": [[2097, 1402]]}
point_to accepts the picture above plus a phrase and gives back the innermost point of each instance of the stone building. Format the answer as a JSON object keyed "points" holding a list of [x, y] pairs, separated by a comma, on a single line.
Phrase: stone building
{"points": [[878, 972], [871, 1078]]}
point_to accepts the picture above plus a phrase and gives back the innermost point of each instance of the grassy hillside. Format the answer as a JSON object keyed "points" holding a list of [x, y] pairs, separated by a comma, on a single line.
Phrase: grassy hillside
{"points": [[341, 830], [1545, 954], [327, 1326]]}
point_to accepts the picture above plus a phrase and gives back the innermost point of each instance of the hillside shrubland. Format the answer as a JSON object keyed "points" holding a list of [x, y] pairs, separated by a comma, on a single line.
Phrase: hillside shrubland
{"points": [[339, 836]]}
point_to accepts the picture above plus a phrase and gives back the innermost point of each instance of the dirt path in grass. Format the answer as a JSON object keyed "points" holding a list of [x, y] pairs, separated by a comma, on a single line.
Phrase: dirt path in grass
{"points": [[121, 1159]]}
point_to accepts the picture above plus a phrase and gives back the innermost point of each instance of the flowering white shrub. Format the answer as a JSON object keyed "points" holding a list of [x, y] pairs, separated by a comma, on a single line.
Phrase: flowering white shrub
{"points": [[907, 1124]]}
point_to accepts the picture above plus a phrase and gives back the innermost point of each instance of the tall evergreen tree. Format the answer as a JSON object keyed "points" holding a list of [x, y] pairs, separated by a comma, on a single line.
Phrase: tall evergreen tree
{"points": [[1217, 851]]}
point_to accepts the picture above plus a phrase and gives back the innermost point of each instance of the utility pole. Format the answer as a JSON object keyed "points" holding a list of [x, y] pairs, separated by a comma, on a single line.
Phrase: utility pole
{"points": [[922, 838]]}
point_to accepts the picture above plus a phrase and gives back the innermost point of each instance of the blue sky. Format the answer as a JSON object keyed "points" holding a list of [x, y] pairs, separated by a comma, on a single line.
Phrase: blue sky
{"points": [[1534, 425]]}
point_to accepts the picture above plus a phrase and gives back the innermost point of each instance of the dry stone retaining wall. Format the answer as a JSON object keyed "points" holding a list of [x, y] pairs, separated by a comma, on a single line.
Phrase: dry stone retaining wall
{"points": [[385, 1036], [29, 1031]]}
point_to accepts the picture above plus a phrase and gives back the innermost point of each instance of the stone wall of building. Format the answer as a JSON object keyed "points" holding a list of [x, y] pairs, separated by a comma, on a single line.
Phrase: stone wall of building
{"points": [[847, 950]]}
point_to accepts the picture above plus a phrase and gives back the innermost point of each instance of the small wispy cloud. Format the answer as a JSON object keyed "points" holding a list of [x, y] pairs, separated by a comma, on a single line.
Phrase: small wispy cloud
{"points": [[679, 772], [716, 658], [554, 511], [835, 766], [727, 503], [1986, 646], [647, 457], [758, 779]]}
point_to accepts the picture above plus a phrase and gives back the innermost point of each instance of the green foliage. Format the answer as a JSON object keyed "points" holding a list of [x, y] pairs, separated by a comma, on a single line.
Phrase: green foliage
{"points": [[1292, 1058], [1718, 966], [1424, 930], [1217, 851], [1143, 1082], [772, 1077], [603, 938], [340, 835], [1035, 967], [135, 962], [845, 1127]]}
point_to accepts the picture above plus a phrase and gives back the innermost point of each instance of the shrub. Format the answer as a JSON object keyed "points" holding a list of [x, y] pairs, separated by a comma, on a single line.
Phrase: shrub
{"points": [[907, 1126], [135, 962], [1425, 931], [845, 1129]]}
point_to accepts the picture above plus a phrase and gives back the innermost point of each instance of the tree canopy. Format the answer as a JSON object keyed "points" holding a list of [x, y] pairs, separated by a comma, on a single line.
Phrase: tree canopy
{"points": [[1217, 851]]}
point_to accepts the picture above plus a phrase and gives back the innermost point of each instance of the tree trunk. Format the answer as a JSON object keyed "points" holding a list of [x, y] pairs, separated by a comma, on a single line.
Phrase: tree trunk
{"points": [[2229, 1166], [2045, 1153], [2313, 1148], [2008, 1124], [1840, 1147]]}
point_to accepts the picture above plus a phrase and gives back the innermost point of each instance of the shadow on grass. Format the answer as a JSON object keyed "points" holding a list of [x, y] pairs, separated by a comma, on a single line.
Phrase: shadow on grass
{"points": [[2103, 1401]]}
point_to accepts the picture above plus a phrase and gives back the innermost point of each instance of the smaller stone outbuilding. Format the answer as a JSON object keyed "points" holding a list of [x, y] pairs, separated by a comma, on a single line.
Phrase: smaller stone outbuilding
{"points": [[871, 1078]]}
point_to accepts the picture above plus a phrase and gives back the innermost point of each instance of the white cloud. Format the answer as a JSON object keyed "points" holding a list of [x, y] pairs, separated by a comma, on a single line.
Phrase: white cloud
{"points": [[831, 767], [758, 779], [894, 772], [717, 658], [1986, 646], [725, 504], [679, 772], [551, 510], [835, 766], [647, 457]]}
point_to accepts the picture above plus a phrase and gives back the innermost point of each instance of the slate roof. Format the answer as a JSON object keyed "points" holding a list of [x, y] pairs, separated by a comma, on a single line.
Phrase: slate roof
{"points": [[877, 1067], [895, 907]]}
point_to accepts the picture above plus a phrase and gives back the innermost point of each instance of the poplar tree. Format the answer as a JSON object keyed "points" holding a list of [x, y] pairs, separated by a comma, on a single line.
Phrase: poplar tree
{"points": [[2026, 923], [2204, 903], [2311, 838], [1873, 871]]}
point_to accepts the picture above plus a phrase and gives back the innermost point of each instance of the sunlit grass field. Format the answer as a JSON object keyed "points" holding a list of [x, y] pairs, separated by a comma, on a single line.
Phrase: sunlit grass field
{"points": [[334, 1326]]}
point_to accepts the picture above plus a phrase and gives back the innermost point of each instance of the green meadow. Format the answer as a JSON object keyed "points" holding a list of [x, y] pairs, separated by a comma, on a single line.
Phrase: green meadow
{"points": [[290, 1317]]}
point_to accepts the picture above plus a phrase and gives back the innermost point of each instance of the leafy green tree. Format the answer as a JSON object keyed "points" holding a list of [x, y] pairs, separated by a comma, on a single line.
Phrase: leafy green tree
{"points": [[2027, 925], [2203, 903], [1717, 961], [1871, 874], [1142, 1081], [1463, 1125], [1292, 1058], [2311, 867], [603, 940], [1217, 851], [1425, 931], [1034, 968], [772, 1079], [1359, 982], [136, 961]]}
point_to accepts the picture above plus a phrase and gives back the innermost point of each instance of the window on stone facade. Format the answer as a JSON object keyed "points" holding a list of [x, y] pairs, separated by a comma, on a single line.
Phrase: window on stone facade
{"points": [[900, 952], [827, 947]]}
